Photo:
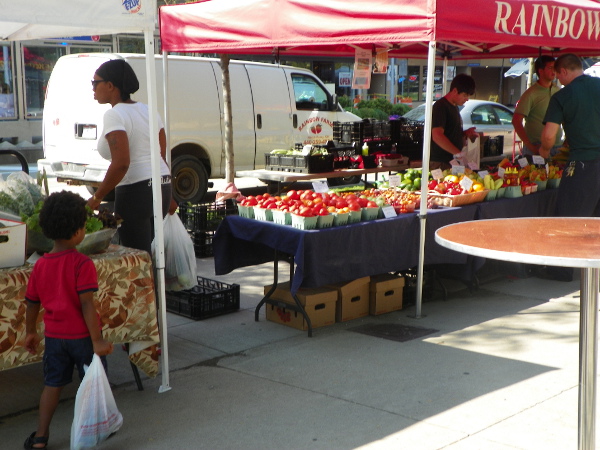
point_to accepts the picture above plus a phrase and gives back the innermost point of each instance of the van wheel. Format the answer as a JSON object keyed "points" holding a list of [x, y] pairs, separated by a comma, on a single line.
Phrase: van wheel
{"points": [[344, 181], [190, 181], [110, 197]]}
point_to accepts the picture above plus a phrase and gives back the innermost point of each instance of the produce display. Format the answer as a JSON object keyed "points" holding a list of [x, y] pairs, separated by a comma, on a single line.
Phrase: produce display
{"points": [[445, 188]]}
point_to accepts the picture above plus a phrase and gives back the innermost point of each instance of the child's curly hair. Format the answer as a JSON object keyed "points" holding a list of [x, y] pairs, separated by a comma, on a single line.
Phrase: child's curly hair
{"points": [[62, 214]]}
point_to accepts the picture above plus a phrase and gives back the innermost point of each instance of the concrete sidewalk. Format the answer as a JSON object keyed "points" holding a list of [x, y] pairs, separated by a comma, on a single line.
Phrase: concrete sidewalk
{"points": [[499, 370]]}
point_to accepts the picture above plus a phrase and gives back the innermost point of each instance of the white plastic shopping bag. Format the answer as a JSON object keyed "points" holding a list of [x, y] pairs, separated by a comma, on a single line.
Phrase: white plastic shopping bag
{"points": [[96, 413], [180, 258]]}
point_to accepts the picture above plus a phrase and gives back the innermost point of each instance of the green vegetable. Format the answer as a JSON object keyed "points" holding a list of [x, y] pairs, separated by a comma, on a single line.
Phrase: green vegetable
{"points": [[92, 224]]}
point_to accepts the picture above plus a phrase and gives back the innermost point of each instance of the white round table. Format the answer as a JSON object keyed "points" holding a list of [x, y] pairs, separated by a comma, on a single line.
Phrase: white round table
{"points": [[550, 241]]}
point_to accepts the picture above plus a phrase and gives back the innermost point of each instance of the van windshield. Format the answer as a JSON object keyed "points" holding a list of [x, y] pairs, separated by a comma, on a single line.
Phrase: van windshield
{"points": [[309, 94]]}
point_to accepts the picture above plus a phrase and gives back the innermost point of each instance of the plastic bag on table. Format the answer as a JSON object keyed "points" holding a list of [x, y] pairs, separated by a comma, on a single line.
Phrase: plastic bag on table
{"points": [[96, 414], [22, 180], [180, 258]]}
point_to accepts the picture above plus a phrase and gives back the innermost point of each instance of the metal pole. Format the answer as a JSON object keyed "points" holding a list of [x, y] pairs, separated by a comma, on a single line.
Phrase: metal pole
{"points": [[425, 174], [588, 355], [159, 254]]}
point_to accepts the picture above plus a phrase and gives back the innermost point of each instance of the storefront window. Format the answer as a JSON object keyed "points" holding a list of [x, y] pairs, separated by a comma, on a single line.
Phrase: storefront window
{"points": [[438, 86], [408, 87], [38, 63], [7, 83]]}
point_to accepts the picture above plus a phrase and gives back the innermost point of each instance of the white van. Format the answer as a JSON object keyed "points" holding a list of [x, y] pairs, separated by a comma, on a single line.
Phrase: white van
{"points": [[273, 107]]}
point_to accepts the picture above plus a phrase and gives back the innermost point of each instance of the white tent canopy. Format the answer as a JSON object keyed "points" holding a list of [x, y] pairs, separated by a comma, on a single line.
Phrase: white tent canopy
{"points": [[42, 19]]}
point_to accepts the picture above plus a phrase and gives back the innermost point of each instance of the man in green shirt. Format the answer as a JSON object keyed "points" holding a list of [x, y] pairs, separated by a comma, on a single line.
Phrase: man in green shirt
{"points": [[532, 108]]}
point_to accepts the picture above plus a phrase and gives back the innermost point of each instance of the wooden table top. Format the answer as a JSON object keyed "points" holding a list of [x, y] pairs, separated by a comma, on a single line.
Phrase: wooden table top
{"points": [[557, 241]]}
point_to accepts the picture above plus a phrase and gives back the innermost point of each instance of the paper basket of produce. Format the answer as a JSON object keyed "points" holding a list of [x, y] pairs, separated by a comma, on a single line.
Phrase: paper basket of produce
{"points": [[457, 200]]}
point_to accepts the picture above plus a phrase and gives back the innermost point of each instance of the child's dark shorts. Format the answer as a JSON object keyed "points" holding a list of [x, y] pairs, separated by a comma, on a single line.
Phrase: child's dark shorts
{"points": [[61, 356]]}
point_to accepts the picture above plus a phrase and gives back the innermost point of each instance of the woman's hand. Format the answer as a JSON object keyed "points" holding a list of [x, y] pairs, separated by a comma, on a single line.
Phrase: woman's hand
{"points": [[94, 203]]}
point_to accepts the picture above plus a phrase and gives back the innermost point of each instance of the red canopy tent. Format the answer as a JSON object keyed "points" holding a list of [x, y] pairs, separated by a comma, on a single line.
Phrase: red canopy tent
{"points": [[453, 29], [449, 29], [461, 28]]}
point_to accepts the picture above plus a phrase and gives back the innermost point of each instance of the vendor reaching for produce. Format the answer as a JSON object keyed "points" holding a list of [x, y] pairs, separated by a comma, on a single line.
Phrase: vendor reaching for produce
{"points": [[532, 107], [575, 106], [125, 142], [447, 136]]}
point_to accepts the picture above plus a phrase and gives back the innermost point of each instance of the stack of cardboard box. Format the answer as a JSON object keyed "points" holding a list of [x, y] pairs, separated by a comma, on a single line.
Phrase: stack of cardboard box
{"points": [[339, 302]]}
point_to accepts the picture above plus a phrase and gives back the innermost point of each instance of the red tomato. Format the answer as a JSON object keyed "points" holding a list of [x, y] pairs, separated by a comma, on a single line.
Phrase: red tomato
{"points": [[293, 195], [350, 197], [306, 195], [354, 206], [341, 203], [362, 201], [371, 204]]}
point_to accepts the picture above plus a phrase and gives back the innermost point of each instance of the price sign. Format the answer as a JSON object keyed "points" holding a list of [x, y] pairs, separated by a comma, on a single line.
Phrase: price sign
{"points": [[466, 183], [394, 180], [483, 173], [457, 170], [501, 172], [523, 162], [437, 174], [537, 159], [388, 211], [320, 186]]}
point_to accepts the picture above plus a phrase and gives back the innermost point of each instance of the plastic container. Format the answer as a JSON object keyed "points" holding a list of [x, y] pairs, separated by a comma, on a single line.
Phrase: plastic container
{"points": [[324, 221], [304, 223], [354, 216], [263, 214], [491, 195], [282, 217], [246, 211], [369, 213], [209, 298], [340, 219]]}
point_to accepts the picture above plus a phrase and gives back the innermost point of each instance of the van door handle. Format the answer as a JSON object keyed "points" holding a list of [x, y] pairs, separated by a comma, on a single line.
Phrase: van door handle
{"points": [[259, 121], [295, 120]]}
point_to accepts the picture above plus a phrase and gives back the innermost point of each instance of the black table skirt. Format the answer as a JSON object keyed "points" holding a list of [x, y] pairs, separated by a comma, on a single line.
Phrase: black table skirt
{"points": [[367, 248]]}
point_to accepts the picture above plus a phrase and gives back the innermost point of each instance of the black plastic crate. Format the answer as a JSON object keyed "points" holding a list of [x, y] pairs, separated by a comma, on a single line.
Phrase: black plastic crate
{"points": [[209, 298], [407, 134], [348, 132], [206, 216], [305, 164], [203, 247]]}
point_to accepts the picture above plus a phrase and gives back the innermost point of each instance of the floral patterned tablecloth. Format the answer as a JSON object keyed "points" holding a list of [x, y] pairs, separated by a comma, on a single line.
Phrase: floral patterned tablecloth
{"points": [[125, 301]]}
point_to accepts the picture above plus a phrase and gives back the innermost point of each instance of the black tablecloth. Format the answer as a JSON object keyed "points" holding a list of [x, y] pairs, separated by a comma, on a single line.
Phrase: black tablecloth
{"points": [[367, 248]]}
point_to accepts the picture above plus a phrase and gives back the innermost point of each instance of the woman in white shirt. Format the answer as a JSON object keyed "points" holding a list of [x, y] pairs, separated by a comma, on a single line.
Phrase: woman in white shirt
{"points": [[125, 142]]}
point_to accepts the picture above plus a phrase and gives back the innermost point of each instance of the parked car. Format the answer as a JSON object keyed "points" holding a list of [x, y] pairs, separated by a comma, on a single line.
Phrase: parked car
{"points": [[490, 118]]}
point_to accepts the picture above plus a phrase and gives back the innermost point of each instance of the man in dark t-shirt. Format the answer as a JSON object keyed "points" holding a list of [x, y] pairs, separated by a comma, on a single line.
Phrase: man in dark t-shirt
{"points": [[447, 136]]}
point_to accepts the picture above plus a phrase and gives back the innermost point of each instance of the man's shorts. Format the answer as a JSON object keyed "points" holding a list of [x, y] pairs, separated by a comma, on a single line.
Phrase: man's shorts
{"points": [[61, 356]]}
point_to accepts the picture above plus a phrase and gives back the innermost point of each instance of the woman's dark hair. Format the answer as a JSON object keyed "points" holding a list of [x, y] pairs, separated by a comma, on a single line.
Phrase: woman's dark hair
{"points": [[121, 75], [62, 214]]}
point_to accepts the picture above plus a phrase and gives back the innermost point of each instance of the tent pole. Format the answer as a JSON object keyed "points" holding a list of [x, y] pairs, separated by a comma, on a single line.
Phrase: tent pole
{"points": [[425, 174], [159, 255]]}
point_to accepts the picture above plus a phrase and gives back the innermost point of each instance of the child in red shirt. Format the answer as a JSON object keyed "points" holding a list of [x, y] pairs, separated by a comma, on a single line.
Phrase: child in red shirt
{"points": [[63, 281]]}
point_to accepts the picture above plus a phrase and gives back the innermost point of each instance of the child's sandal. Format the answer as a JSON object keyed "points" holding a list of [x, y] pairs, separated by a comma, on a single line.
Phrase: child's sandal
{"points": [[33, 440]]}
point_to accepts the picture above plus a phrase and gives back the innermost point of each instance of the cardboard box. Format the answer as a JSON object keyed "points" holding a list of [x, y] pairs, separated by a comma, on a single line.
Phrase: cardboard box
{"points": [[12, 243], [385, 293], [319, 304], [353, 299]]}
